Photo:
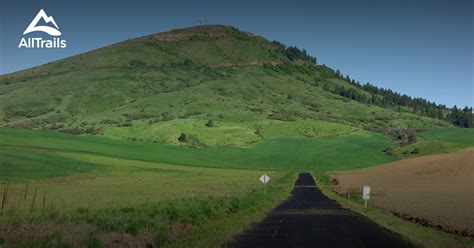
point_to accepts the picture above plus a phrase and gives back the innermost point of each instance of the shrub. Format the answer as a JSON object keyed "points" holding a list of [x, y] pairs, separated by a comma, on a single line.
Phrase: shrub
{"points": [[166, 116], [189, 114], [75, 131], [137, 63], [128, 123], [93, 130], [282, 116], [388, 151], [188, 62], [183, 138], [29, 113], [210, 123], [411, 138]]}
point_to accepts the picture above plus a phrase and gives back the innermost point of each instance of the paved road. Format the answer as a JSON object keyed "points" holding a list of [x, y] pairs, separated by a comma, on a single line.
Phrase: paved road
{"points": [[310, 219]]}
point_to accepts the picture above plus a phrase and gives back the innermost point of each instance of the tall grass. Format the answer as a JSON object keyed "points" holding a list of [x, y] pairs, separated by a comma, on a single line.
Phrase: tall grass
{"points": [[158, 224], [24, 206], [4, 198]]}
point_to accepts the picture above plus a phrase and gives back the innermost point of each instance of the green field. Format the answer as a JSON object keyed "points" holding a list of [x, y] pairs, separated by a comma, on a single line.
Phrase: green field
{"points": [[36, 163], [62, 183], [91, 180], [110, 187], [437, 141], [451, 135], [346, 151]]}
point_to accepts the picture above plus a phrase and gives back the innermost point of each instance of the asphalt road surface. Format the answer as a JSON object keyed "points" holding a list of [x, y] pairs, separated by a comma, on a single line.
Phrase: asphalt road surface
{"points": [[310, 219]]}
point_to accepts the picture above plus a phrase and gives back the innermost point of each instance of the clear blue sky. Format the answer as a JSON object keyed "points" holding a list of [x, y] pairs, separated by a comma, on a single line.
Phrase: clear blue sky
{"points": [[423, 48]]}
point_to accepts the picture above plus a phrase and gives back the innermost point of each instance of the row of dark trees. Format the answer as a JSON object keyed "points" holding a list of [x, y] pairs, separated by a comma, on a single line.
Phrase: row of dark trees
{"points": [[461, 118], [294, 53], [385, 97], [389, 99]]}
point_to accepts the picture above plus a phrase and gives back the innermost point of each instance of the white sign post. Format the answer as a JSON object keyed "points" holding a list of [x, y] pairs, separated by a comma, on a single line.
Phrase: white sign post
{"points": [[366, 194], [264, 179]]}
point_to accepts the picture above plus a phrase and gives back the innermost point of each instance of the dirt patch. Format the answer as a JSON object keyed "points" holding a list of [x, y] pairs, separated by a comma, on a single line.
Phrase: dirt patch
{"points": [[30, 232], [433, 190], [71, 233], [425, 222], [180, 230], [75, 234], [113, 239]]}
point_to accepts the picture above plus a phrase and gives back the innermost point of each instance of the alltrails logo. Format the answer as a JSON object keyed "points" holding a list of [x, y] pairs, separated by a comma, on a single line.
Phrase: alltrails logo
{"points": [[38, 42]]}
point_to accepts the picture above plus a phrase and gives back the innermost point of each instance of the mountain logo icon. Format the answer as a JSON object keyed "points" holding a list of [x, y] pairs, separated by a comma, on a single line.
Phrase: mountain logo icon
{"points": [[47, 29]]}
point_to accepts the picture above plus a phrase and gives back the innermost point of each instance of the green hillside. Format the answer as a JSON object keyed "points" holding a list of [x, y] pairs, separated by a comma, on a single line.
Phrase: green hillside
{"points": [[452, 135], [159, 141], [349, 151], [156, 87]]}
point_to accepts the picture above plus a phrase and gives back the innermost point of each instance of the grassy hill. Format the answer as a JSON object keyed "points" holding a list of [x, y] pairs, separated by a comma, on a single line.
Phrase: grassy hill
{"points": [[160, 140], [156, 87]]}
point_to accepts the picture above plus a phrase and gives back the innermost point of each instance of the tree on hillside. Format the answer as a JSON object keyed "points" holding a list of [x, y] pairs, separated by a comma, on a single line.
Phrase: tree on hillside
{"points": [[387, 98], [467, 119], [294, 53], [439, 114]]}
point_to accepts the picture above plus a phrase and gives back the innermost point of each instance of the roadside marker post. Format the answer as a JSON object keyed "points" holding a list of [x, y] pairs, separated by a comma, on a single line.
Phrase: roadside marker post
{"points": [[264, 179], [366, 194]]}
